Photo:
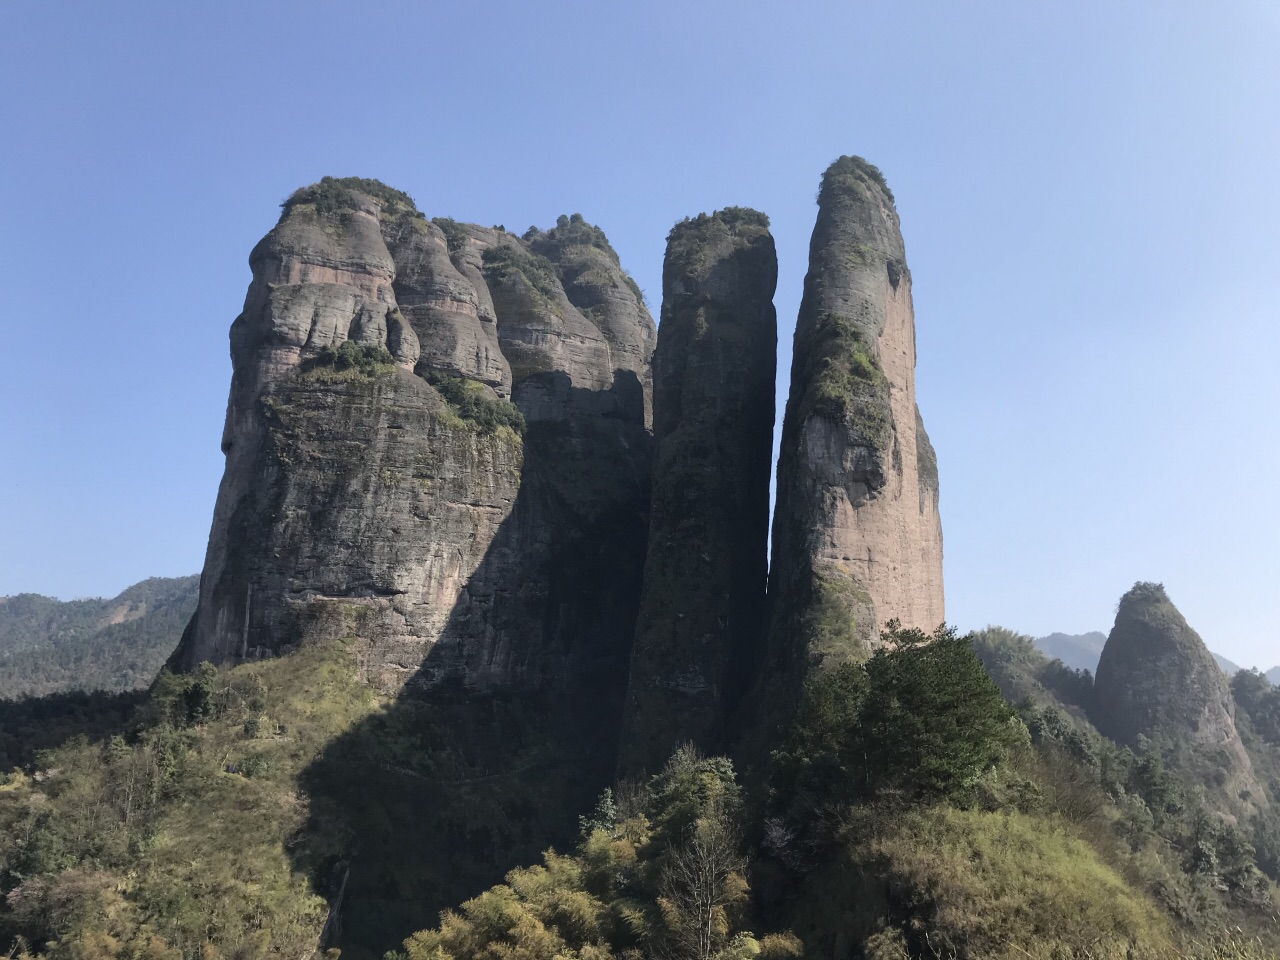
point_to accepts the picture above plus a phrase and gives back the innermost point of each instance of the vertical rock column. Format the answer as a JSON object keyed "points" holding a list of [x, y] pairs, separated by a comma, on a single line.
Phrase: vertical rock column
{"points": [[702, 606], [857, 538]]}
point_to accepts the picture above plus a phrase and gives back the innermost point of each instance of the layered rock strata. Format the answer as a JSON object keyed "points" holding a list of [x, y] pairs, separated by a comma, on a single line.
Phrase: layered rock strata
{"points": [[706, 569], [857, 538], [1158, 684]]}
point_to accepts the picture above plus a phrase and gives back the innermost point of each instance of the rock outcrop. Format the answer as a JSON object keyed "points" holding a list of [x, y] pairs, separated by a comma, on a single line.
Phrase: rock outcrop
{"points": [[1157, 682], [705, 574], [857, 538], [373, 460]]}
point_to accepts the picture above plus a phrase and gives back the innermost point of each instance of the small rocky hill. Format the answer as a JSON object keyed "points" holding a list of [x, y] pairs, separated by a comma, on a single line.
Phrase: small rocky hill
{"points": [[1158, 682], [53, 646]]}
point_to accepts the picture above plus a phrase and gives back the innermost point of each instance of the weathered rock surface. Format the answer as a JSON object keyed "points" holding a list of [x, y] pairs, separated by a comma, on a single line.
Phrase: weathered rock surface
{"points": [[1157, 681], [363, 486], [705, 574], [857, 538]]}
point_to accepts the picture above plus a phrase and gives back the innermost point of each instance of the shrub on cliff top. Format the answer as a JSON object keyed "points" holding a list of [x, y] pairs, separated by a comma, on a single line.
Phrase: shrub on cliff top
{"points": [[332, 194], [848, 175], [503, 264]]}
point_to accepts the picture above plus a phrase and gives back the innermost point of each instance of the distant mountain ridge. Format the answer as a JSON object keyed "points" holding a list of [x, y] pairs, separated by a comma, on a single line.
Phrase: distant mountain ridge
{"points": [[1080, 651], [55, 646]]}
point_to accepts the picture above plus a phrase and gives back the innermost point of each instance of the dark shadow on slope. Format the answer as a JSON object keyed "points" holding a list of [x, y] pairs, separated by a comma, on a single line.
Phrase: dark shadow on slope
{"points": [[33, 724], [509, 729]]}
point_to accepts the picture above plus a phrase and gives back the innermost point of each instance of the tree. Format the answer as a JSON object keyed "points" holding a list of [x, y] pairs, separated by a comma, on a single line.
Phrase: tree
{"points": [[932, 720], [702, 880]]}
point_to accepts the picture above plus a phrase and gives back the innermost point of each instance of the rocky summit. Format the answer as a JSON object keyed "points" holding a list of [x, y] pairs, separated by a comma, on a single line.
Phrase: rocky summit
{"points": [[706, 569], [857, 538]]}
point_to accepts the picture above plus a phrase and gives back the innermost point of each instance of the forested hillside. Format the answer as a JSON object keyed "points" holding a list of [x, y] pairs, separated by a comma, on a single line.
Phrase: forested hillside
{"points": [[51, 646], [909, 811]]}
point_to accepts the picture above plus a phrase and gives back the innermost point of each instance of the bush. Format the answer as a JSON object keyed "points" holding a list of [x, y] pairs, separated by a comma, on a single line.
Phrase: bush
{"points": [[469, 401], [333, 194], [848, 176], [349, 361]]}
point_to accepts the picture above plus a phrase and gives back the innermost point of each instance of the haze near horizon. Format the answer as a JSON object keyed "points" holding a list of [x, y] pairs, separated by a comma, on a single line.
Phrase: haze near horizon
{"points": [[1087, 195]]}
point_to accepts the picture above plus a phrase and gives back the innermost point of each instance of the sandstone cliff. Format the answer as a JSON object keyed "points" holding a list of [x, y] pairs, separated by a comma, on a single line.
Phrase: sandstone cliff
{"points": [[1157, 681], [437, 451], [705, 573], [372, 459], [857, 538]]}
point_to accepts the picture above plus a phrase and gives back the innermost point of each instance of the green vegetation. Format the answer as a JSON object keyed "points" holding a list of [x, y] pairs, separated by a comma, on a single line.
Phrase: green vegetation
{"points": [[837, 617], [47, 646], [455, 235], [350, 361], [848, 177], [908, 811], [509, 263], [691, 239], [920, 720], [843, 379], [568, 247], [334, 195], [661, 873], [569, 231], [926, 456], [470, 401], [171, 836]]}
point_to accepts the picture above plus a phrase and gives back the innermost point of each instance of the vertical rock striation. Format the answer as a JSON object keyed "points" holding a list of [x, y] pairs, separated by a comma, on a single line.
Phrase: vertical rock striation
{"points": [[1158, 682], [706, 569], [857, 538]]}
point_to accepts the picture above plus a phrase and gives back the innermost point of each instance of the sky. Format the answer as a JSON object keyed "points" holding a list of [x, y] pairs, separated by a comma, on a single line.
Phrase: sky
{"points": [[1089, 193]]}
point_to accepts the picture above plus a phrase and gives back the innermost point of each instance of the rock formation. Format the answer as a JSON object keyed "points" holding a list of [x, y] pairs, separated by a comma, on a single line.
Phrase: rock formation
{"points": [[438, 452], [857, 538], [372, 461], [705, 574], [1157, 681]]}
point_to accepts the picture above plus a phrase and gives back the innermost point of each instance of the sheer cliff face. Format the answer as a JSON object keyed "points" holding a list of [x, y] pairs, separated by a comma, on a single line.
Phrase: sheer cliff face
{"points": [[1157, 680], [396, 490], [705, 573], [857, 538]]}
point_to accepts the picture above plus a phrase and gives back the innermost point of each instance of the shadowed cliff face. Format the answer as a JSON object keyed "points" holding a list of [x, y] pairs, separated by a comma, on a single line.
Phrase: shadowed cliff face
{"points": [[1157, 681], [857, 538], [705, 573]]}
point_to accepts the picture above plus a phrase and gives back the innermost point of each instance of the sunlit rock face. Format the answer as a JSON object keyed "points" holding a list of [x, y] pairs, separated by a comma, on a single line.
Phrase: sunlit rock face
{"points": [[706, 570], [857, 537]]}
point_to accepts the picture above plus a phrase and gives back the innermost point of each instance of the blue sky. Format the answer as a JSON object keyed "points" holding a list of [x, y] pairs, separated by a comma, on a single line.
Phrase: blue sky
{"points": [[1089, 192]]}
